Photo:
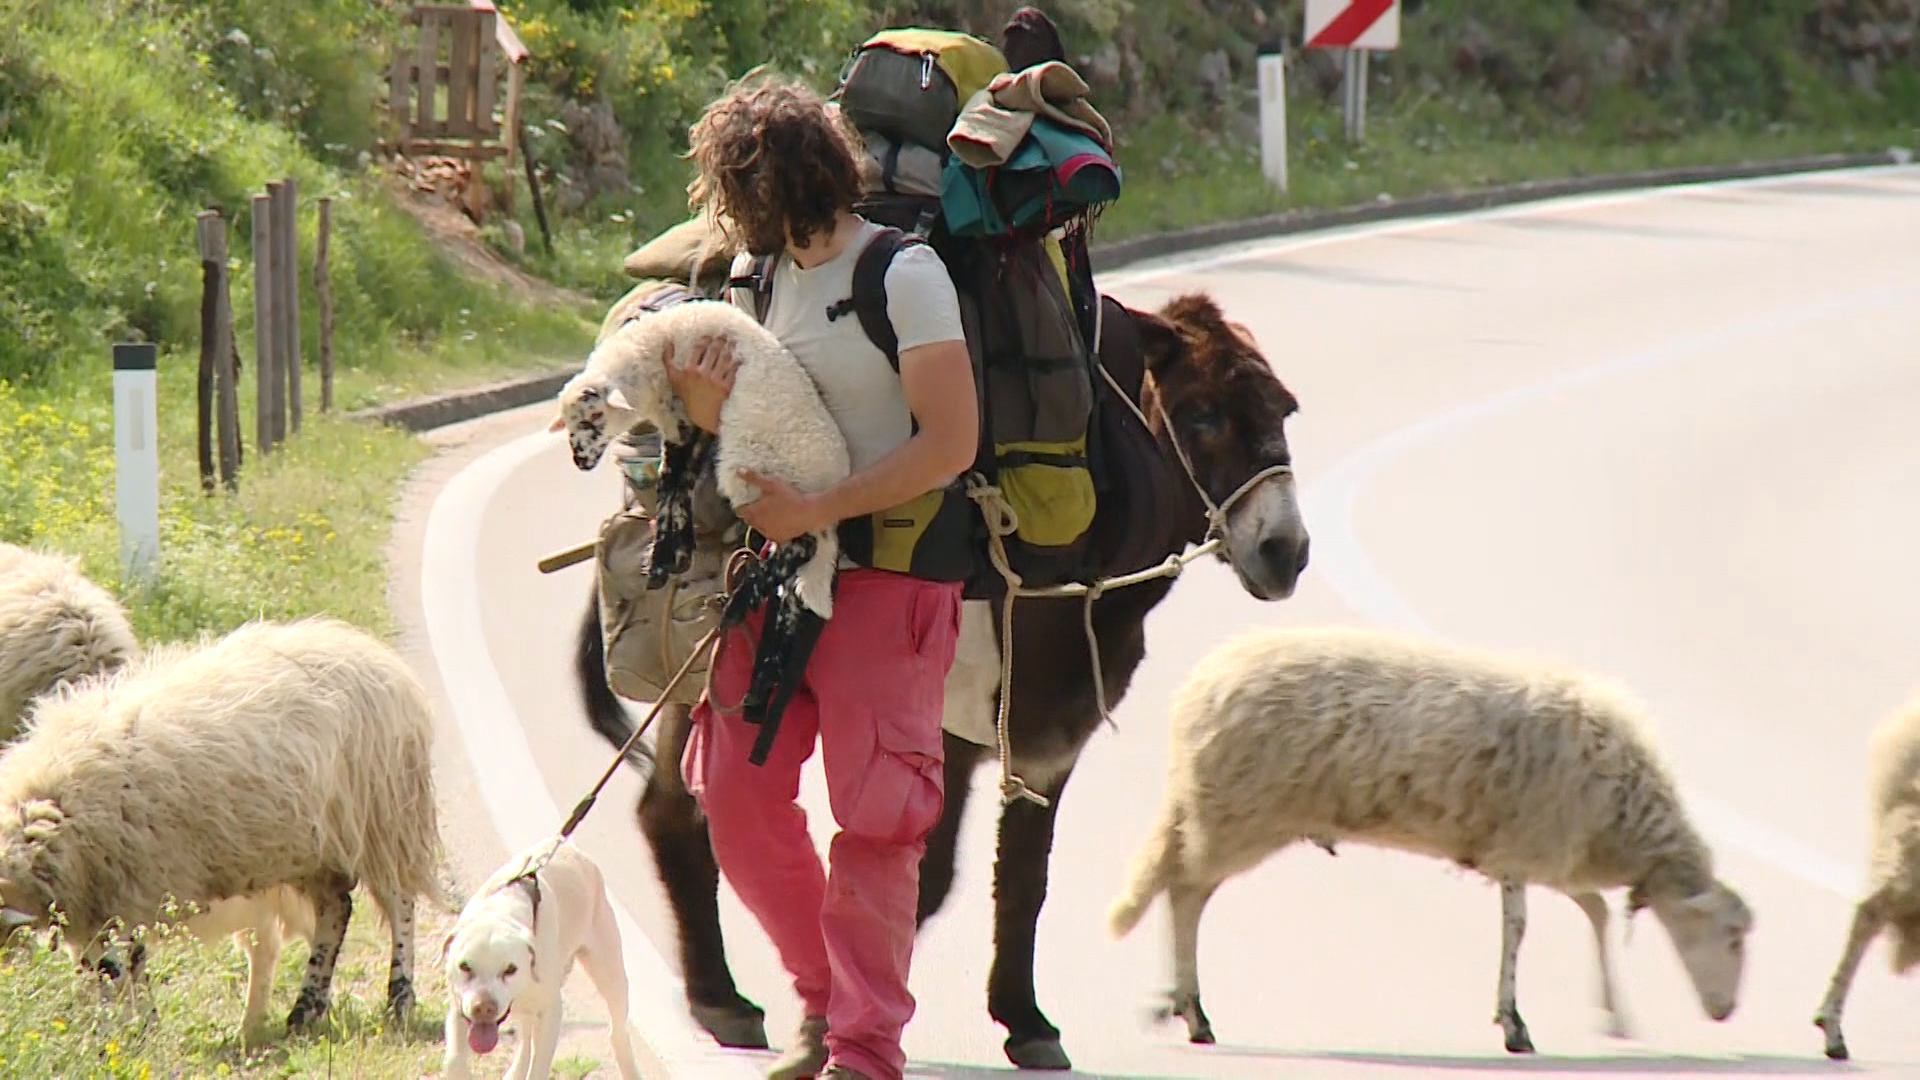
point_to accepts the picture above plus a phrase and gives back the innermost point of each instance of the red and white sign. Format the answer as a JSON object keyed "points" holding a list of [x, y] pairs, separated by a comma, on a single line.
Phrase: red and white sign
{"points": [[1353, 24]]}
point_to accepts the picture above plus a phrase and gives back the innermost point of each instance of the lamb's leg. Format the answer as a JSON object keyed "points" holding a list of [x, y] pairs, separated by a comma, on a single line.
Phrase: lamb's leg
{"points": [[1595, 907], [1185, 902], [400, 991], [683, 860], [332, 908], [1513, 926], [1869, 916]]}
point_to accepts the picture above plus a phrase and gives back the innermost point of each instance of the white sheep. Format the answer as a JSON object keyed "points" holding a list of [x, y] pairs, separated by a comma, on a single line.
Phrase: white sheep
{"points": [[55, 626], [1525, 773], [773, 420], [296, 754], [1893, 887]]}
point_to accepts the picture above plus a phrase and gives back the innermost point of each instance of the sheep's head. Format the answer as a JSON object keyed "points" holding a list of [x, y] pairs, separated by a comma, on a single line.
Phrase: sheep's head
{"points": [[26, 897], [1709, 930], [594, 412]]}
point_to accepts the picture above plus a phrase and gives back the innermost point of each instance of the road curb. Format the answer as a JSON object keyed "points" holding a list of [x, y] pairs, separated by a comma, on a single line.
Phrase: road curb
{"points": [[454, 406]]}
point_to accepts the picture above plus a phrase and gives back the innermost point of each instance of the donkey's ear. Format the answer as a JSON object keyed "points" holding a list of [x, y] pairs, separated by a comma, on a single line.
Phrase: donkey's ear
{"points": [[1161, 345]]}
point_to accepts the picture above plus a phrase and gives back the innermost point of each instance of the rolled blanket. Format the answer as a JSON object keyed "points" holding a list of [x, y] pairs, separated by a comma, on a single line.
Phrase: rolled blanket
{"points": [[987, 133], [1055, 91]]}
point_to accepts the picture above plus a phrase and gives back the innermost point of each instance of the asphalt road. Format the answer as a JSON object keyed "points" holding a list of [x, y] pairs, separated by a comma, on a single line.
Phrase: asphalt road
{"points": [[1667, 437]]}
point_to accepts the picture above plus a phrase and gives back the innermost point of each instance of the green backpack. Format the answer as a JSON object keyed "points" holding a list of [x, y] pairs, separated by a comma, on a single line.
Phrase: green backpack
{"points": [[1034, 372]]}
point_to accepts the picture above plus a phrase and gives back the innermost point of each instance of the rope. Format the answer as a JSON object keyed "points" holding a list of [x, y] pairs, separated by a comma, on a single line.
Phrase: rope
{"points": [[1002, 521], [708, 642]]}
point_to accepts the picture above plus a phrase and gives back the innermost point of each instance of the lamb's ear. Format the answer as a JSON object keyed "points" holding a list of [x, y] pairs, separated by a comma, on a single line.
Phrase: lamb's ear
{"points": [[559, 423], [618, 400]]}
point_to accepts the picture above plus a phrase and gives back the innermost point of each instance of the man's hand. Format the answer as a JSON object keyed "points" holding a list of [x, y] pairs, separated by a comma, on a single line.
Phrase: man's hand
{"points": [[782, 511], [704, 380]]}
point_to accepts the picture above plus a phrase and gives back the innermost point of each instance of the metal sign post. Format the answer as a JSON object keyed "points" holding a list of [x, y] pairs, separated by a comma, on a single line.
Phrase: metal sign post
{"points": [[1356, 28], [1273, 112], [136, 457]]}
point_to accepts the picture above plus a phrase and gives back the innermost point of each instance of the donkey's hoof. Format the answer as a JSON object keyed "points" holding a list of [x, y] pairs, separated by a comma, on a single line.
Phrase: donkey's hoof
{"points": [[1038, 1054], [737, 1027]]}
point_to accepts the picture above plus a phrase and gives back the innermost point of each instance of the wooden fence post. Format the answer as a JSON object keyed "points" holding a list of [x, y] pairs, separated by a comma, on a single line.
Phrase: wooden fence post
{"points": [[323, 296], [287, 303], [209, 229], [264, 346]]}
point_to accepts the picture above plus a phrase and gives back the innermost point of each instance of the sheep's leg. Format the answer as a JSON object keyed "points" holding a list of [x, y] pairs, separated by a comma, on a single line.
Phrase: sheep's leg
{"points": [[936, 866], [400, 991], [1869, 916], [1513, 926], [262, 944], [1019, 891], [1185, 902], [683, 860], [332, 908], [1595, 908]]}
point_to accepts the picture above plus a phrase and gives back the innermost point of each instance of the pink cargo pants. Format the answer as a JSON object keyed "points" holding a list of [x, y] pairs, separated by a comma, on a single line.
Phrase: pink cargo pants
{"points": [[873, 694]]}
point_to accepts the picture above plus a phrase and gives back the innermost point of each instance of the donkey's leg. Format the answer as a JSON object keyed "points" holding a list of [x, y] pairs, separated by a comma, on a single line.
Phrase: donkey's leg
{"points": [[937, 865], [1019, 890], [676, 832]]}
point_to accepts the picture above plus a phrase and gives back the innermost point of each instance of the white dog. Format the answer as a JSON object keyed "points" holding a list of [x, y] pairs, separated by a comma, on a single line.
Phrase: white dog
{"points": [[512, 948]]}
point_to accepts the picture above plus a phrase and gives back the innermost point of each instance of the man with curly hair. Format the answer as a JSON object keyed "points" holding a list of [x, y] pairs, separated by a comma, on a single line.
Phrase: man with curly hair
{"points": [[782, 170]]}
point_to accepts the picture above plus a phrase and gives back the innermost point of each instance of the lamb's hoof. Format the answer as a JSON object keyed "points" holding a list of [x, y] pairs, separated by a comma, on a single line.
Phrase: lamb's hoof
{"points": [[1836, 1042], [1518, 1041], [1040, 1053], [737, 1027], [1199, 1028]]}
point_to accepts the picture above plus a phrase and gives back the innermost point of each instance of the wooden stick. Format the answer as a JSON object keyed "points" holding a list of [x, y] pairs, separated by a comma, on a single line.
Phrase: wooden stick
{"points": [[206, 223], [288, 301], [560, 560]]}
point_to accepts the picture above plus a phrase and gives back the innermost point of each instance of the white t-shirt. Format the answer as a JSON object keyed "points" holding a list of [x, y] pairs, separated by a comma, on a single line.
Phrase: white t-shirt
{"points": [[855, 380]]}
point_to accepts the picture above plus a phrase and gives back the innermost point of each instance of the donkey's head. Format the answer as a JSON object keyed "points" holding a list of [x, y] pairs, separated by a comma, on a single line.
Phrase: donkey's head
{"points": [[1227, 413]]}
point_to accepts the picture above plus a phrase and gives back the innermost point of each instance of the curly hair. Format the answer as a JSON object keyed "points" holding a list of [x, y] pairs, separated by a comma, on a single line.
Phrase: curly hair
{"points": [[774, 161]]}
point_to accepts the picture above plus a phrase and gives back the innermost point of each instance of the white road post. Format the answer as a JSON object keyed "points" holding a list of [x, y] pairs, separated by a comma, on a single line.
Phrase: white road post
{"points": [[1273, 112], [136, 457]]}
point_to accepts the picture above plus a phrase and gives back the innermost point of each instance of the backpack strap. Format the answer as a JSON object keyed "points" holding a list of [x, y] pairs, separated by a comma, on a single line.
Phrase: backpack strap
{"points": [[758, 281], [870, 289]]}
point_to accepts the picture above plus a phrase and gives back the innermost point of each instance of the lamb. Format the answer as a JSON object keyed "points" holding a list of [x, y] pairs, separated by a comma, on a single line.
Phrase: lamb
{"points": [[260, 924], [1523, 772], [55, 626], [284, 754], [1893, 891], [773, 421]]}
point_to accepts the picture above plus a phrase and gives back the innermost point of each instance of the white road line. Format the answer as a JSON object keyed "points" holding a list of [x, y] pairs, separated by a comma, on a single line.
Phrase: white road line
{"points": [[1327, 503], [522, 808], [524, 811]]}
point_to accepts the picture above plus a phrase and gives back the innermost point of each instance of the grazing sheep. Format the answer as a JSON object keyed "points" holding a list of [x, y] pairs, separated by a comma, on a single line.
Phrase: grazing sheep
{"points": [[296, 754], [1893, 891], [773, 421], [1526, 774], [55, 626]]}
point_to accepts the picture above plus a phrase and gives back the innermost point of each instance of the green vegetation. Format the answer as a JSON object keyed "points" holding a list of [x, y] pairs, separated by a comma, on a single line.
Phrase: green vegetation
{"points": [[120, 119]]}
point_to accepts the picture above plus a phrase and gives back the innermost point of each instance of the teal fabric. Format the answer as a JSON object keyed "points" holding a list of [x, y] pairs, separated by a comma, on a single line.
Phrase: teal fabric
{"points": [[1054, 173]]}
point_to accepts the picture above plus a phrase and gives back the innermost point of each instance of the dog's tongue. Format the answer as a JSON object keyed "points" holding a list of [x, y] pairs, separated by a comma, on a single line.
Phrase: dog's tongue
{"points": [[483, 1037]]}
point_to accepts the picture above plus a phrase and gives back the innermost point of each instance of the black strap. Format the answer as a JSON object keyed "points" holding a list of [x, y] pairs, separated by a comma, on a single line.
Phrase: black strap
{"points": [[870, 289]]}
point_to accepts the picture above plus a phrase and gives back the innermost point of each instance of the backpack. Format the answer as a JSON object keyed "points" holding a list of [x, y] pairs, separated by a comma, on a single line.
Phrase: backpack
{"points": [[1035, 375]]}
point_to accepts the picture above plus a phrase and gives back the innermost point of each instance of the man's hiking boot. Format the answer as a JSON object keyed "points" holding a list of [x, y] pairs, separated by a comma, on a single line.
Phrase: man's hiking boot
{"points": [[806, 1055]]}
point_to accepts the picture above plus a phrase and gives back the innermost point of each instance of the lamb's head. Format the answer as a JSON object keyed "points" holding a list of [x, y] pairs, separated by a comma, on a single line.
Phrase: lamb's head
{"points": [[26, 896], [594, 412], [1709, 929]]}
